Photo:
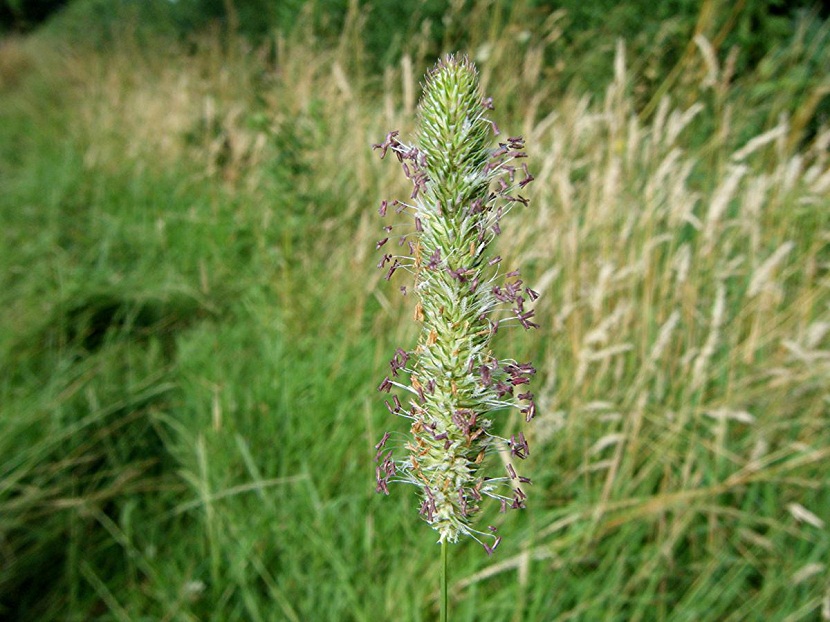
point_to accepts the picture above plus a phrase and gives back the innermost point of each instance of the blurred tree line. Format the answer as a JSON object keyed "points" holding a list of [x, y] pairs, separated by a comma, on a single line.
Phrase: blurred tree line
{"points": [[22, 15], [755, 23], [658, 34]]}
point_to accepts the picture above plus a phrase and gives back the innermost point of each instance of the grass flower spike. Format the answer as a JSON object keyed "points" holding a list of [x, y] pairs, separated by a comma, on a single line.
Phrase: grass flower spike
{"points": [[462, 186]]}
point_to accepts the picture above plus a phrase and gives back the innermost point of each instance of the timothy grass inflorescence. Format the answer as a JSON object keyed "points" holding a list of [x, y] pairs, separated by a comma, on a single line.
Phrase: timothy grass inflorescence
{"points": [[461, 189]]}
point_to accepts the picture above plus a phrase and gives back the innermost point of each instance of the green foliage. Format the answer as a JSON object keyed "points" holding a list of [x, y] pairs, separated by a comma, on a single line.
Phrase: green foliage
{"points": [[193, 323], [23, 15], [657, 35]]}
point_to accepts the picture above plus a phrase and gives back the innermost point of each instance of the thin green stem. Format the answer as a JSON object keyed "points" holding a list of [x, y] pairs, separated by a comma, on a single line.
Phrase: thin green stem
{"points": [[444, 581]]}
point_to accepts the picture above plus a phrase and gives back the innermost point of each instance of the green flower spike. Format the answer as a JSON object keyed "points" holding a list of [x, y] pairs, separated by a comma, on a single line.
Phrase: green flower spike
{"points": [[461, 189]]}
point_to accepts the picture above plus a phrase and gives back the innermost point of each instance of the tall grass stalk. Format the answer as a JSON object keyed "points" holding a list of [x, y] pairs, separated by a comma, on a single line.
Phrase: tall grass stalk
{"points": [[461, 190]]}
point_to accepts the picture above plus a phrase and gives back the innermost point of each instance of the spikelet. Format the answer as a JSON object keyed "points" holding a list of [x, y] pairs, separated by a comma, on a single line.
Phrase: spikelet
{"points": [[461, 189]]}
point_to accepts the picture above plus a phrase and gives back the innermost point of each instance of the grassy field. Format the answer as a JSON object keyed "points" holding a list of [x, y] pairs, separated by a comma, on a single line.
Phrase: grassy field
{"points": [[193, 329]]}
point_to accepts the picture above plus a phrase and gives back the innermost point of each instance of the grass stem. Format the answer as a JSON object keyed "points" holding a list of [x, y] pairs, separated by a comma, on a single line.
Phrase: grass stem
{"points": [[444, 582]]}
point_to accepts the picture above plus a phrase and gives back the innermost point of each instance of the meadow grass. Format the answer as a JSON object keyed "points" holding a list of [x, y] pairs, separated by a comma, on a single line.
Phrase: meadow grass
{"points": [[193, 328]]}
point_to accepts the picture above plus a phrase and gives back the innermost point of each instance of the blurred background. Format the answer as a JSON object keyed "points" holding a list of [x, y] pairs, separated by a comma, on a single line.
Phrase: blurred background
{"points": [[192, 325]]}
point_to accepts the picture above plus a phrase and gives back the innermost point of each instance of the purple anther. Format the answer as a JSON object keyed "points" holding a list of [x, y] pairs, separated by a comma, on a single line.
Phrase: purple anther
{"points": [[428, 506], [491, 549], [464, 419], [386, 385], [486, 377], [525, 317], [381, 243], [395, 265], [476, 206], [502, 389], [390, 141], [459, 274], [402, 356], [380, 445], [519, 447], [389, 464], [383, 472], [434, 259], [526, 181]]}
